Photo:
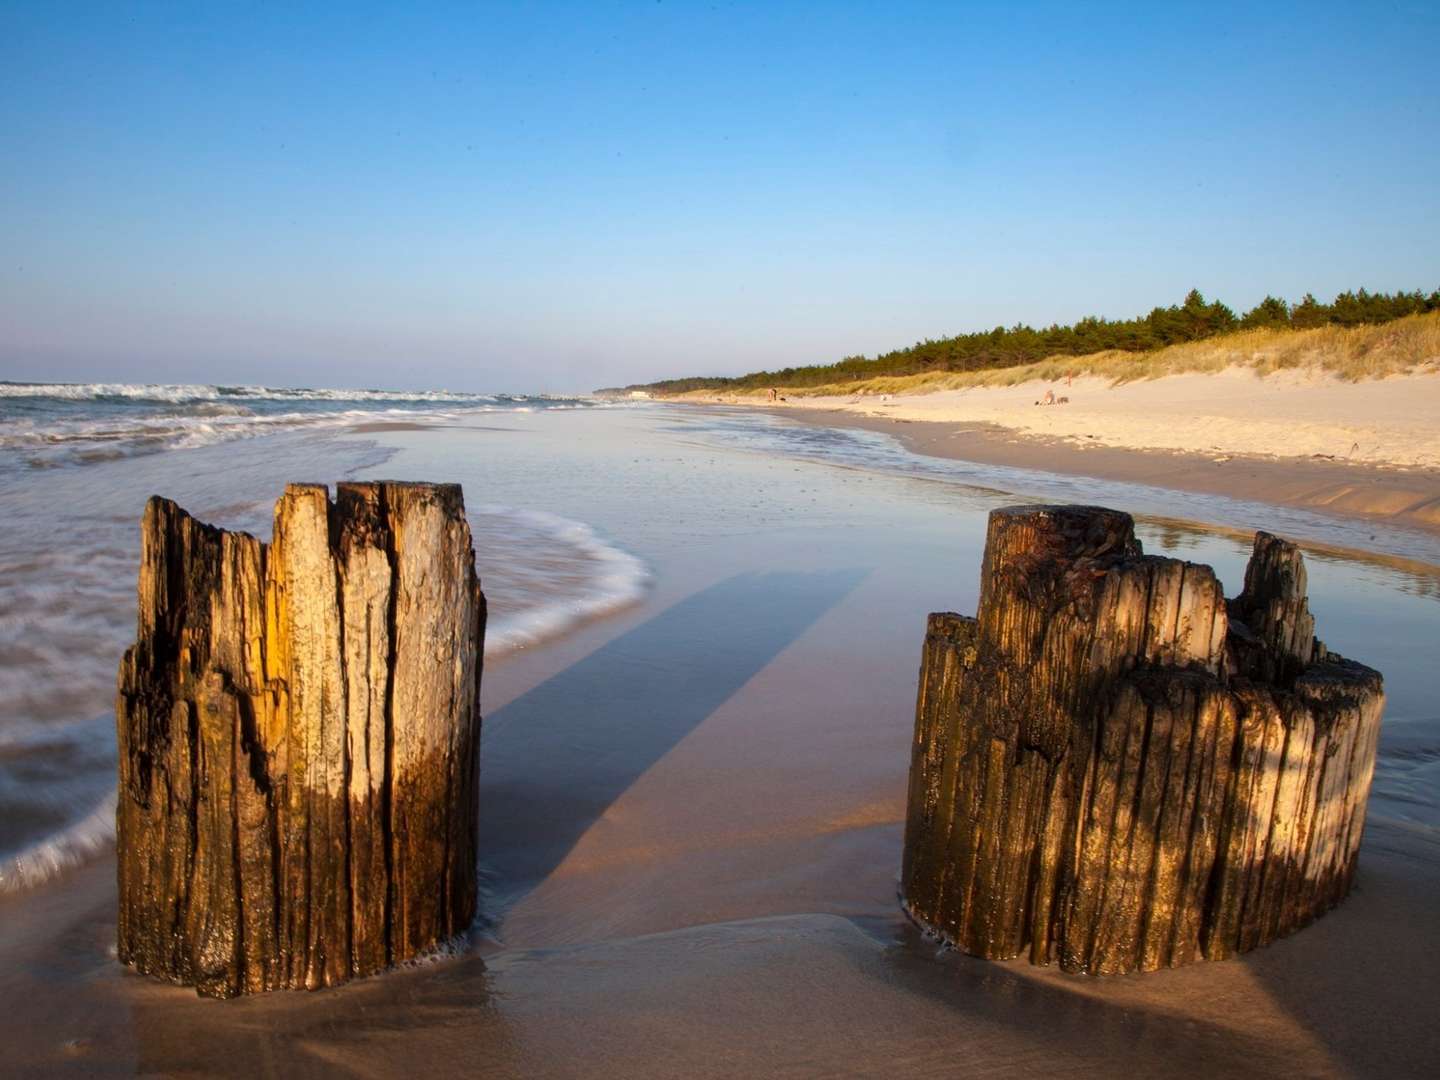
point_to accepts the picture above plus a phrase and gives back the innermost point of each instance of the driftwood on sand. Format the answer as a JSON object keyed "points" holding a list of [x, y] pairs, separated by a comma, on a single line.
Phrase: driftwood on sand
{"points": [[298, 735], [1115, 769]]}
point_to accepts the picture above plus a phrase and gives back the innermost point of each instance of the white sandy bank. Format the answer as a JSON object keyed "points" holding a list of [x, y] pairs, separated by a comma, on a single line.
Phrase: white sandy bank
{"points": [[1393, 421]]}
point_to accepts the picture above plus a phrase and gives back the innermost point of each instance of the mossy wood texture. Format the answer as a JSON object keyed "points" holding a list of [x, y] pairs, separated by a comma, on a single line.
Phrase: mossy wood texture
{"points": [[299, 731], [1115, 770]]}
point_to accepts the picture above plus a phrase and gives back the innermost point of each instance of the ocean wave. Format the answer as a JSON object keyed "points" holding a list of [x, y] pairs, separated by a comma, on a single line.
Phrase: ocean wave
{"points": [[184, 393], [207, 408], [58, 424], [57, 798], [83, 441], [607, 580], [62, 851], [156, 392]]}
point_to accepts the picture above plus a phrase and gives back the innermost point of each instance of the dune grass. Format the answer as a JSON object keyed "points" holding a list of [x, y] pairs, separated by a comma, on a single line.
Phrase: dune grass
{"points": [[1350, 353]]}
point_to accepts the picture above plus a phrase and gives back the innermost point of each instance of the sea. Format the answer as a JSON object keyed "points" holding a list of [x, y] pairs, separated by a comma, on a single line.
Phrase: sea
{"points": [[78, 461]]}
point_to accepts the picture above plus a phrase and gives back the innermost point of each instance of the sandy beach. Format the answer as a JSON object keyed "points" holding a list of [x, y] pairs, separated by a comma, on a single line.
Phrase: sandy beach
{"points": [[1294, 414], [691, 820], [1369, 450]]}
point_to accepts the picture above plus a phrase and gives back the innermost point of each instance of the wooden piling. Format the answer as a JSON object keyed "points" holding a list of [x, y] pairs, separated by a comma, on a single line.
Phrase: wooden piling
{"points": [[298, 727], [1115, 770]]}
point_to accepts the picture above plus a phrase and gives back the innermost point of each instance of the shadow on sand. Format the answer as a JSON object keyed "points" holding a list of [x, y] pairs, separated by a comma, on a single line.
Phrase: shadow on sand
{"points": [[555, 758]]}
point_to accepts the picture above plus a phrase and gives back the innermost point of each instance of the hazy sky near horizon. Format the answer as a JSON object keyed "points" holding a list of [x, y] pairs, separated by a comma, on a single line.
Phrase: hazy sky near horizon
{"points": [[556, 197]]}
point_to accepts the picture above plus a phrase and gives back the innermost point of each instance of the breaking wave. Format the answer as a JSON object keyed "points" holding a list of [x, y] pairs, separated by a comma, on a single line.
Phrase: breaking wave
{"points": [[186, 393], [91, 439], [68, 848], [590, 579], [57, 799], [51, 425]]}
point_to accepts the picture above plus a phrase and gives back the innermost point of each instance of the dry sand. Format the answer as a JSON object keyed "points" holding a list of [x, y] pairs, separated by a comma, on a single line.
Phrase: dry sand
{"points": [[1368, 449], [1393, 422], [1409, 497]]}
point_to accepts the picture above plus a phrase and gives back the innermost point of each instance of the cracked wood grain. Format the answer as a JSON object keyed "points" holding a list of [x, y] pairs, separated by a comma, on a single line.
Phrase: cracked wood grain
{"points": [[298, 727], [1115, 769]]}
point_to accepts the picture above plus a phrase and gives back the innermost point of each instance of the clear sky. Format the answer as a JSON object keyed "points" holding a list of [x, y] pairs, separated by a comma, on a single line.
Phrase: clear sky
{"points": [[558, 197]]}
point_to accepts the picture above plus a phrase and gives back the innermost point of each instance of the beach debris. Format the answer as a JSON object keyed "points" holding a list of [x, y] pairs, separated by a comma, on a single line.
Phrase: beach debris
{"points": [[298, 728], [1115, 769]]}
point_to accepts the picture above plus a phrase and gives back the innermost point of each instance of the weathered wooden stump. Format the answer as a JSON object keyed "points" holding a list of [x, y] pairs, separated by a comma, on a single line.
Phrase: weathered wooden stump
{"points": [[1115, 770], [298, 730]]}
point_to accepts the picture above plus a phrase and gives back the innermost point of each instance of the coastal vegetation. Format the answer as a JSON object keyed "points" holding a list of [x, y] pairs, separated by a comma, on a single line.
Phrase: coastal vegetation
{"points": [[1349, 353], [1357, 335]]}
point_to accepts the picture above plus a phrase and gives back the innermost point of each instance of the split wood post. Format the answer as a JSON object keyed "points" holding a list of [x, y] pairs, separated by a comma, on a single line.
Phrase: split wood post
{"points": [[1116, 771], [298, 728]]}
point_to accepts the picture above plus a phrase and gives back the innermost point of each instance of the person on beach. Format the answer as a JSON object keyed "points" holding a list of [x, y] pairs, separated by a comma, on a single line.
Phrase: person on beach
{"points": [[773, 394]]}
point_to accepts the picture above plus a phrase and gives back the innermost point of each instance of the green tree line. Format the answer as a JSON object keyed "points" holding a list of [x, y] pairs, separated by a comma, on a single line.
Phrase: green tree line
{"points": [[1192, 320]]}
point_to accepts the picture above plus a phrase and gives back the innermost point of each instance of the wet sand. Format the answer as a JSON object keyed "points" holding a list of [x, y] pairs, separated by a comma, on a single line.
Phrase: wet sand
{"points": [[1407, 497], [691, 820], [796, 995], [680, 887], [370, 427]]}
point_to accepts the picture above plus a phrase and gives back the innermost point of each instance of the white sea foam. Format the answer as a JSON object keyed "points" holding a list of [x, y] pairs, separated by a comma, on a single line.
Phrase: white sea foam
{"points": [[83, 440], [188, 392], [96, 391], [52, 425], [601, 579], [61, 851]]}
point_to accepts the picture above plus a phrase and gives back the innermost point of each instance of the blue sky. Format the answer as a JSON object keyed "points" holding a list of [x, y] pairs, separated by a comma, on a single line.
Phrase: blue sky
{"points": [[557, 197]]}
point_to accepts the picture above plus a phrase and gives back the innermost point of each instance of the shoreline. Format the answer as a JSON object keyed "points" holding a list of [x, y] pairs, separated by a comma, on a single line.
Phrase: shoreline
{"points": [[1408, 498], [1304, 412]]}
